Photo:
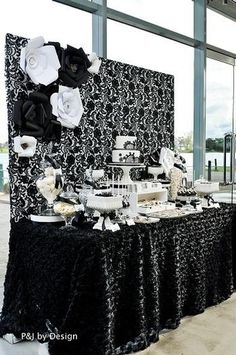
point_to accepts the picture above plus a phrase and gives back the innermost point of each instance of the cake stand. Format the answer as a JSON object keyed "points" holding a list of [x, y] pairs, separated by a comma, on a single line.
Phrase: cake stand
{"points": [[126, 179], [105, 205], [155, 171], [205, 190]]}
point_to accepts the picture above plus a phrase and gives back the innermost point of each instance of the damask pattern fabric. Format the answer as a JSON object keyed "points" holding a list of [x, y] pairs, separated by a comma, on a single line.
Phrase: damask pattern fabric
{"points": [[120, 100], [116, 290]]}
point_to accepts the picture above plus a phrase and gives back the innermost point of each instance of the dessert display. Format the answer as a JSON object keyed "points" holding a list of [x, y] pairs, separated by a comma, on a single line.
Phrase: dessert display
{"points": [[148, 207], [173, 213], [125, 151], [105, 202], [126, 156]]}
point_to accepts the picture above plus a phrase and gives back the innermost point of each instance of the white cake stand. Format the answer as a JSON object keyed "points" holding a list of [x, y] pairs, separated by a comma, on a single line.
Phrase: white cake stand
{"points": [[155, 171], [126, 179]]}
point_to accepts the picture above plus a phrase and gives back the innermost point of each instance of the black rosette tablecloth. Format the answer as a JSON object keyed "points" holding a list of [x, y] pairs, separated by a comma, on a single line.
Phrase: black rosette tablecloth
{"points": [[116, 291]]}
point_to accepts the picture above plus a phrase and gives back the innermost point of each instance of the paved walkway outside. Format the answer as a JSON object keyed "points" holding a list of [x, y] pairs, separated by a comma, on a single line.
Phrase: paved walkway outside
{"points": [[4, 234]]}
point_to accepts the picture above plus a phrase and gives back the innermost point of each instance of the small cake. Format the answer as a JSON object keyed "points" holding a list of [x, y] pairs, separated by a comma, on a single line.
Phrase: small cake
{"points": [[104, 202], [125, 150], [185, 193]]}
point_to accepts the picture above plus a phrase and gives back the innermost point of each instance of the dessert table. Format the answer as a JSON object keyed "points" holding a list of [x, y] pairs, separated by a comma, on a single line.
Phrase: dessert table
{"points": [[116, 291]]}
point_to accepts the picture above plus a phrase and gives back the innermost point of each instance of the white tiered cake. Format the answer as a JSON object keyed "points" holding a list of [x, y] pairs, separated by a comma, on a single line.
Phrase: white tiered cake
{"points": [[125, 151]]}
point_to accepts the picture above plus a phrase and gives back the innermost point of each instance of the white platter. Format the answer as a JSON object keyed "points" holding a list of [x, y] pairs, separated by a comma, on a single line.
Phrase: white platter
{"points": [[46, 219]]}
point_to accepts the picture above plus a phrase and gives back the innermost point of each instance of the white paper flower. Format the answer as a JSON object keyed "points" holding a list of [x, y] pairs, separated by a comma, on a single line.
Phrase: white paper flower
{"points": [[40, 62], [94, 68], [25, 146], [67, 106]]}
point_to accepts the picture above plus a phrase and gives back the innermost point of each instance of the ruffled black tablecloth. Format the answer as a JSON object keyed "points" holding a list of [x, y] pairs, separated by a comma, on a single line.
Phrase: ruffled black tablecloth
{"points": [[116, 291]]}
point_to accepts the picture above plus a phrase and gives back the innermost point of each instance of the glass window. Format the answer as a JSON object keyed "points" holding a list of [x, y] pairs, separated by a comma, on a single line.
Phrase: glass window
{"points": [[221, 31], [219, 111], [54, 21], [174, 15], [219, 88], [165, 56]]}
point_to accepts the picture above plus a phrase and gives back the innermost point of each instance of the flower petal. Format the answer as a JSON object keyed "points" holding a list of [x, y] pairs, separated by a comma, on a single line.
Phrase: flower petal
{"points": [[51, 54], [34, 43], [22, 58], [53, 101]]}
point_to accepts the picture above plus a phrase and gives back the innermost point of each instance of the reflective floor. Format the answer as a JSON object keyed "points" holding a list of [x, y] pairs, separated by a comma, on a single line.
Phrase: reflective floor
{"points": [[226, 197]]}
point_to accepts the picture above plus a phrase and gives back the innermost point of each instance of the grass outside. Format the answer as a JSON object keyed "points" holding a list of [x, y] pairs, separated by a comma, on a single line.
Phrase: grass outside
{"points": [[3, 149], [220, 169]]}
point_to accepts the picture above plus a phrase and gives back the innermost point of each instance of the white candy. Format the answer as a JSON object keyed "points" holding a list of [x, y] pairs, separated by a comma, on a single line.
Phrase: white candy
{"points": [[64, 209], [49, 171], [175, 182], [46, 185]]}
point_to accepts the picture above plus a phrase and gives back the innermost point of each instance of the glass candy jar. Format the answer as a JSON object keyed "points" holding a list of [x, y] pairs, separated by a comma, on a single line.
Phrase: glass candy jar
{"points": [[66, 207], [83, 197], [49, 184]]}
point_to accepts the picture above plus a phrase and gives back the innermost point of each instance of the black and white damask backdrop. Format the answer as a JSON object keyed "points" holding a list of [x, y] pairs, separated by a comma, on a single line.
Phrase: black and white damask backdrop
{"points": [[121, 100]]}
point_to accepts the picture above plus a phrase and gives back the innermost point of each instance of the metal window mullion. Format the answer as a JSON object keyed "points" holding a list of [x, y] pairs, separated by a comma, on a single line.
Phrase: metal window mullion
{"points": [[199, 132], [99, 29], [233, 137], [99, 8], [83, 5]]}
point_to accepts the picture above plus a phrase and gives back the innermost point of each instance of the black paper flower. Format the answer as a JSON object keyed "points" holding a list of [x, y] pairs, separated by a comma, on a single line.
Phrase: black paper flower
{"points": [[74, 65], [33, 117]]}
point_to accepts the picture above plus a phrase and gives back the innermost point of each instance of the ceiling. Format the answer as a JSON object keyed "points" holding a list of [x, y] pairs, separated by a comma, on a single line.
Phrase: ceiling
{"points": [[228, 9]]}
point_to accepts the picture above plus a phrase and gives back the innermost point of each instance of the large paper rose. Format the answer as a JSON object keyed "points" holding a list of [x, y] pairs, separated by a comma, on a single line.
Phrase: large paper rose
{"points": [[40, 62], [25, 146], [74, 65], [67, 106], [33, 117]]}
